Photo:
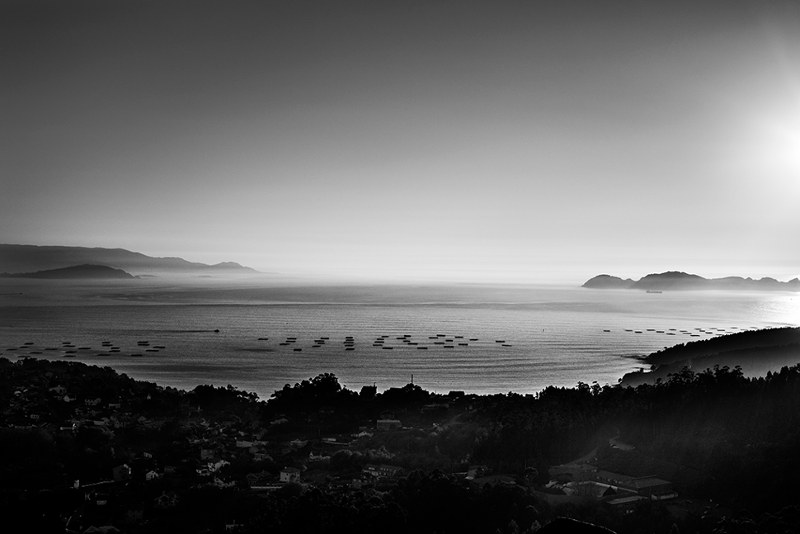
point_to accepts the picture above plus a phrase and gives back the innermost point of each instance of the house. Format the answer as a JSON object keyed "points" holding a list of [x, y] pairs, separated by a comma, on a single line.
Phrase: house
{"points": [[626, 503], [382, 470], [216, 466], [151, 475], [290, 474], [388, 424], [589, 488], [653, 488], [318, 457]]}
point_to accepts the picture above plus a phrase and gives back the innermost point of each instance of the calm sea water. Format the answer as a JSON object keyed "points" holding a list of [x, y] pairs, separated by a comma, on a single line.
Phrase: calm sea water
{"points": [[503, 338]]}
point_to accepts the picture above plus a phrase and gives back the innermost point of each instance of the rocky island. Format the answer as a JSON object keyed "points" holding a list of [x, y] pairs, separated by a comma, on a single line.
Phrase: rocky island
{"points": [[676, 280]]}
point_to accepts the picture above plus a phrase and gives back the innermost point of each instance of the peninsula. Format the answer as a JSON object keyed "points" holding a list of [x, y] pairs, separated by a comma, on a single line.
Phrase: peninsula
{"points": [[756, 353]]}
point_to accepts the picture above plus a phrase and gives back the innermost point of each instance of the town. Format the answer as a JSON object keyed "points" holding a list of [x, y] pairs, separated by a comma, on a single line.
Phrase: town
{"points": [[86, 448]]}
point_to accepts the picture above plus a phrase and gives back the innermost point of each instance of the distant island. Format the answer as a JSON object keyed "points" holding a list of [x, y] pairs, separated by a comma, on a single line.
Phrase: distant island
{"points": [[676, 280], [32, 259], [86, 272]]}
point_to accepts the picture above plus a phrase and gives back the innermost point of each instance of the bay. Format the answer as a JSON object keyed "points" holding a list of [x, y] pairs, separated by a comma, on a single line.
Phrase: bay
{"points": [[476, 338]]}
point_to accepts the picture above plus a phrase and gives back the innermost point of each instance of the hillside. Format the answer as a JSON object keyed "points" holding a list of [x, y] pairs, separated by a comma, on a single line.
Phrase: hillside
{"points": [[82, 446], [676, 280], [31, 258], [757, 353]]}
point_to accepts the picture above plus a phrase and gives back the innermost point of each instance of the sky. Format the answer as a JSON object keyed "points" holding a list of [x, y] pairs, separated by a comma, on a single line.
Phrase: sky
{"points": [[456, 140]]}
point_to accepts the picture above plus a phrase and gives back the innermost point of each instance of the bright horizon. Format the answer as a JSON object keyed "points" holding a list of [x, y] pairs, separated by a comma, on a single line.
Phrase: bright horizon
{"points": [[455, 141]]}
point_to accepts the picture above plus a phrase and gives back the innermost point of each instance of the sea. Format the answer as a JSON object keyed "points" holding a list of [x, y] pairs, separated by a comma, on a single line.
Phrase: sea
{"points": [[482, 339]]}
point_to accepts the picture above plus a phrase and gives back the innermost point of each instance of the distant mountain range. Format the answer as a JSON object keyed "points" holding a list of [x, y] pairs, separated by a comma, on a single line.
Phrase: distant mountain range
{"points": [[32, 259], [675, 280]]}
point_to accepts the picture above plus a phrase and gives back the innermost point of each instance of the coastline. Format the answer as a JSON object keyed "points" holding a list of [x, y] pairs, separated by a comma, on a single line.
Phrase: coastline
{"points": [[755, 352]]}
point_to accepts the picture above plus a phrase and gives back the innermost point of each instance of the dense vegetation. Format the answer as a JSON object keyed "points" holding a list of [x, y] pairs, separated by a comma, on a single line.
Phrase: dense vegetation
{"points": [[723, 439]]}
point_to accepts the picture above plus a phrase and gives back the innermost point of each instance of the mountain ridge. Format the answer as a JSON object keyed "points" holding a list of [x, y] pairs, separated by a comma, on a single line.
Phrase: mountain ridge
{"points": [[15, 258]]}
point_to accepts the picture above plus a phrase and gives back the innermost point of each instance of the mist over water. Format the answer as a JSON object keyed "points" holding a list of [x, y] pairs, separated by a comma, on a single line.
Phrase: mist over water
{"points": [[518, 338]]}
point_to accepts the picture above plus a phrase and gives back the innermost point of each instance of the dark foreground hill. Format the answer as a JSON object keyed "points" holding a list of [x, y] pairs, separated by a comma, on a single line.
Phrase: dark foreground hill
{"points": [[76, 272], [31, 258], [84, 449], [675, 280]]}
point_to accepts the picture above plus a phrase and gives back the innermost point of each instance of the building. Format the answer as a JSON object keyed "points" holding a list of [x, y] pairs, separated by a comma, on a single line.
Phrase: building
{"points": [[626, 503], [290, 474], [653, 488], [381, 471]]}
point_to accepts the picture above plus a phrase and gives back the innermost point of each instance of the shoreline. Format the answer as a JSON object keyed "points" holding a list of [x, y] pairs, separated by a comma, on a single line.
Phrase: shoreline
{"points": [[755, 352]]}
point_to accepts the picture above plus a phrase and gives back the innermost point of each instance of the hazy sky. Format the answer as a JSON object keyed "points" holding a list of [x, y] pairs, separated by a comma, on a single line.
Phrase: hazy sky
{"points": [[502, 141]]}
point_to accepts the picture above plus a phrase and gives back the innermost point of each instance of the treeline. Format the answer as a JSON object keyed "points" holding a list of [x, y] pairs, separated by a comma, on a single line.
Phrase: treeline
{"points": [[768, 337]]}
